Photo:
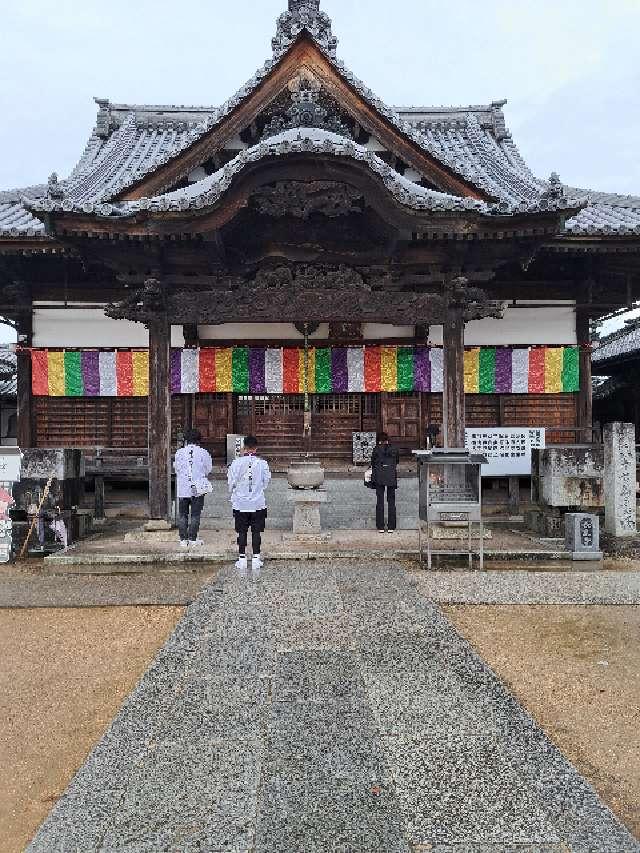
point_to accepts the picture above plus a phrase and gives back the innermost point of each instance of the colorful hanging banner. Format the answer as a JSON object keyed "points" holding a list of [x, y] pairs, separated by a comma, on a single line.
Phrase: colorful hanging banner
{"points": [[337, 370]]}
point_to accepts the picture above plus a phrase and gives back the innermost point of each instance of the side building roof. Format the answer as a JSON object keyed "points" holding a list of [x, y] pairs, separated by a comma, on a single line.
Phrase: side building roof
{"points": [[621, 346]]}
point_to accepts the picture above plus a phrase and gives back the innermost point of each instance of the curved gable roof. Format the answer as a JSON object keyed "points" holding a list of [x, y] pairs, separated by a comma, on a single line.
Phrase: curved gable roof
{"points": [[132, 142]]}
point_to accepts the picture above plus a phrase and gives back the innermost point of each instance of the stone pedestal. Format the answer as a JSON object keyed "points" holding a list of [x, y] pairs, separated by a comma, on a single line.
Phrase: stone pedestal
{"points": [[582, 536], [620, 480], [306, 510]]}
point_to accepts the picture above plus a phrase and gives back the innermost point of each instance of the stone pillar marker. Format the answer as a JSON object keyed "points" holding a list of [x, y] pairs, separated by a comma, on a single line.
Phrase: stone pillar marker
{"points": [[620, 480]]}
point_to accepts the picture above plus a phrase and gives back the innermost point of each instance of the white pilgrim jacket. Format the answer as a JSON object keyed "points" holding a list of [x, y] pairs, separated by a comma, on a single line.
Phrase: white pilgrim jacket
{"points": [[248, 478], [202, 467]]}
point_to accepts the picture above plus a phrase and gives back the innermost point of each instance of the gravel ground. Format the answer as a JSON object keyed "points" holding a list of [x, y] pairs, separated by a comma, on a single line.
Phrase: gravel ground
{"points": [[35, 589], [327, 707], [595, 650], [64, 674], [518, 587]]}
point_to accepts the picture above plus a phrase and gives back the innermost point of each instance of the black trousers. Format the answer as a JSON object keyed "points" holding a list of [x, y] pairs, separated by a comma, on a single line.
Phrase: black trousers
{"points": [[391, 503], [189, 529], [254, 521]]}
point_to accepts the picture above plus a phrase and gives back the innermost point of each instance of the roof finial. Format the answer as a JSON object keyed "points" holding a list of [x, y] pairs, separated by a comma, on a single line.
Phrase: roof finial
{"points": [[555, 185], [54, 188], [296, 5], [304, 15]]}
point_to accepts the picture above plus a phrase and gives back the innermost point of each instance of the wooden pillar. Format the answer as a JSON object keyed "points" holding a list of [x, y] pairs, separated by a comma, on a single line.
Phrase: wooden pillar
{"points": [[159, 420], [453, 400], [98, 488], [25, 436], [584, 413]]}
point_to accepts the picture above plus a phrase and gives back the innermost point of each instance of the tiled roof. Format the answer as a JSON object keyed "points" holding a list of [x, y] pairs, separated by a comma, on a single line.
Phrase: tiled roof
{"points": [[15, 219], [605, 387], [8, 373], [607, 214], [132, 141], [622, 343], [207, 191]]}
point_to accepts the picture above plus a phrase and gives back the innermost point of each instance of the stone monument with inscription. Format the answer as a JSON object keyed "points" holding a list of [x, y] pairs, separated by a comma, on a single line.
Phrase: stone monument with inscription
{"points": [[582, 536], [620, 480]]}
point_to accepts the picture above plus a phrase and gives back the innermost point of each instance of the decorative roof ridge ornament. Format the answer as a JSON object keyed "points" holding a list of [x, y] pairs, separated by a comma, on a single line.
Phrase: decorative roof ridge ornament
{"points": [[555, 189], [306, 110], [54, 187], [304, 15]]}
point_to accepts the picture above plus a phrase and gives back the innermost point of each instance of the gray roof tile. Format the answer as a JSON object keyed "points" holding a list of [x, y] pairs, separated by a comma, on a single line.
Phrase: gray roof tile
{"points": [[624, 342]]}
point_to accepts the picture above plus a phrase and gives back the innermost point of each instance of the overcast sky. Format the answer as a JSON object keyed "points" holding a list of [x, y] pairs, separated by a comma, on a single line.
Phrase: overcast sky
{"points": [[570, 70]]}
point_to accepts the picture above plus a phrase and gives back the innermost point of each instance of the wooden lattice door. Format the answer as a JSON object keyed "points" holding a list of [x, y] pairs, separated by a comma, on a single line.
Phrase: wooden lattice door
{"points": [[402, 419]]}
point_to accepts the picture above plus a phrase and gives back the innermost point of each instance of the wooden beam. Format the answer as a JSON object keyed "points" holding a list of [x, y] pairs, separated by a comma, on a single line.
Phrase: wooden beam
{"points": [[453, 403], [585, 394], [159, 420], [25, 436]]}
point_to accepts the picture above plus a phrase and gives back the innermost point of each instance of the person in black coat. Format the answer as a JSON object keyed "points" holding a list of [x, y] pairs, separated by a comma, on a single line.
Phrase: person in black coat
{"points": [[384, 465]]}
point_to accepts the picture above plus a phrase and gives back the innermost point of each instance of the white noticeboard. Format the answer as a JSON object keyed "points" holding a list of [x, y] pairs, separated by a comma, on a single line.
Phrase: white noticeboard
{"points": [[508, 449], [10, 462]]}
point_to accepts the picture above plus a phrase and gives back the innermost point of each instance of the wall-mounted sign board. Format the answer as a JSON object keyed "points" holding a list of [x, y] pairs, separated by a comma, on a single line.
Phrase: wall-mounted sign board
{"points": [[508, 449]]}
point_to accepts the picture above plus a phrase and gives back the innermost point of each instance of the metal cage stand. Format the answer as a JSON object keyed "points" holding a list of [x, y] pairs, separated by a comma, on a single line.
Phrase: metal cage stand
{"points": [[450, 486]]}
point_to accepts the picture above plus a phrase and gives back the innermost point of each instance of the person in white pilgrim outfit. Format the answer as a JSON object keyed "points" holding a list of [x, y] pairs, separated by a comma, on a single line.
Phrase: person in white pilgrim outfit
{"points": [[193, 464], [248, 478]]}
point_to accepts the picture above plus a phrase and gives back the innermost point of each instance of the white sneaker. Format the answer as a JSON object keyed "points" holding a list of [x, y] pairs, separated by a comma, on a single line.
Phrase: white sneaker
{"points": [[197, 544], [242, 564], [257, 563], [184, 543]]}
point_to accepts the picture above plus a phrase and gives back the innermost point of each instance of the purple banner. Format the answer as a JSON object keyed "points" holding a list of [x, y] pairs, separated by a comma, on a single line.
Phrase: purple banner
{"points": [[339, 371], [503, 371], [257, 383], [91, 373], [422, 369], [176, 371]]}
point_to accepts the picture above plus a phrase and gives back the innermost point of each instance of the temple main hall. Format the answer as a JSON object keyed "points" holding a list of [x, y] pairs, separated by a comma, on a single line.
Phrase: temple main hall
{"points": [[304, 262]]}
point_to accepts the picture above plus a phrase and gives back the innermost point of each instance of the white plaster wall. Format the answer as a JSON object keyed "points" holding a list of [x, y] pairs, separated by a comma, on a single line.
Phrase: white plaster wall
{"points": [[88, 327], [525, 326], [381, 331], [241, 332]]}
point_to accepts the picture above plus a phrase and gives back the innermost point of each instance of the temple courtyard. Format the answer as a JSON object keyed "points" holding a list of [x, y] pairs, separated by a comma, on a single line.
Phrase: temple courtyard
{"points": [[332, 705]]}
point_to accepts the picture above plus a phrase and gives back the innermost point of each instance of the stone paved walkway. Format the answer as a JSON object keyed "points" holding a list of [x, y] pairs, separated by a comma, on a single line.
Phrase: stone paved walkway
{"points": [[327, 708]]}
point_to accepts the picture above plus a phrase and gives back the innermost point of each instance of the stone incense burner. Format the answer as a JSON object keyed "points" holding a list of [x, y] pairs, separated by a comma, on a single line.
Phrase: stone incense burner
{"points": [[305, 474]]}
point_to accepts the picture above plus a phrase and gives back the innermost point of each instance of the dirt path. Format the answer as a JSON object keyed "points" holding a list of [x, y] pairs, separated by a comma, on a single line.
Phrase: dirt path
{"points": [[577, 671], [63, 676]]}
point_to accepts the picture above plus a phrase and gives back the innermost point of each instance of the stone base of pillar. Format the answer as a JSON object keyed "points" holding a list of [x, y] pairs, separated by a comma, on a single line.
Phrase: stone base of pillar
{"points": [[306, 510]]}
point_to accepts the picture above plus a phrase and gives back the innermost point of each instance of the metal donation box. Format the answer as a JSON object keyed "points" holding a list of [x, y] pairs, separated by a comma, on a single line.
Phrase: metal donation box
{"points": [[450, 495]]}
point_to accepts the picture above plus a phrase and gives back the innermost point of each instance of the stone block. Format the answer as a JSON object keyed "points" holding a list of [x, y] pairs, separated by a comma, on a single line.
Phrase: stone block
{"points": [[582, 536], [620, 479], [63, 464], [306, 510], [568, 476]]}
